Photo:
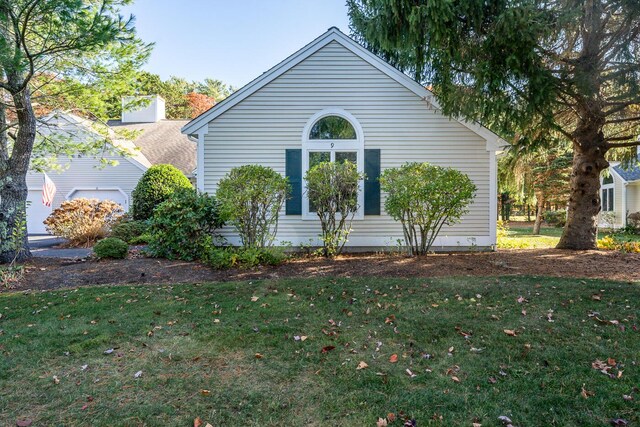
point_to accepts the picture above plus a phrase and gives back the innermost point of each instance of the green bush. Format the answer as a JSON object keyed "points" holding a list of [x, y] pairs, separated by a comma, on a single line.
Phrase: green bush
{"points": [[155, 186], [129, 230], [555, 218], [333, 192], [424, 198], [250, 199], [111, 247], [182, 227], [221, 258]]}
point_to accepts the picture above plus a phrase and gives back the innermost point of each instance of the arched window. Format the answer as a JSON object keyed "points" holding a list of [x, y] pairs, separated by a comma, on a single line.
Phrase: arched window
{"points": [[332, 135], [332, 127]]}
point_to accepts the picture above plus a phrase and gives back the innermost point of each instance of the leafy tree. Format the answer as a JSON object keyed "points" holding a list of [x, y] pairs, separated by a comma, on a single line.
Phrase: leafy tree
{"points": [[542, 170], [40, 37], [199, 103], [332, 188], [424, 198], [251, 198], [215, 89], [570, 66], [156, 185]]}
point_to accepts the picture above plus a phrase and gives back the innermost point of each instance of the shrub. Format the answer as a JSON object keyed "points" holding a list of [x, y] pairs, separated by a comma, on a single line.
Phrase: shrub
{"points": [[155, 186], [111, 247], [250, 199], [424, 198], [555, 218], [332, 188], [129, 230], [610, 243], [83, 221], [633, 221], [182, 227], [221, 258]]}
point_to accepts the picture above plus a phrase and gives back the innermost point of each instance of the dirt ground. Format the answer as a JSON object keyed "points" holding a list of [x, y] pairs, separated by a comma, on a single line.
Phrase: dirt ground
{"points": [[49, 273]]}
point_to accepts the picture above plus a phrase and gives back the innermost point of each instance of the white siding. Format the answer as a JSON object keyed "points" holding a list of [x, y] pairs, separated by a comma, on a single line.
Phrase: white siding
{"points": [[394, 119], [86, 173], [633, 197]]}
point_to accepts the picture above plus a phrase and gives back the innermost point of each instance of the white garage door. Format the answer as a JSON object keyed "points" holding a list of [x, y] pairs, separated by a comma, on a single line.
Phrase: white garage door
{"points": [[36, 213], [99, 194]]}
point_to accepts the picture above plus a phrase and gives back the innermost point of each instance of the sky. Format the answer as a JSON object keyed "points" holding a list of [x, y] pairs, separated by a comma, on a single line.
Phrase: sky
{"points": [[230, 40]]}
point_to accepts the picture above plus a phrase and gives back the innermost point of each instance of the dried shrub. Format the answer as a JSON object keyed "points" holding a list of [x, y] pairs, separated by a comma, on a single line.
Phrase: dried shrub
{"points": [[83, 221]]}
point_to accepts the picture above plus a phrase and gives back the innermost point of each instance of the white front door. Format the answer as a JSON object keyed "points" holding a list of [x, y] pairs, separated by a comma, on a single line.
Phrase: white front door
{"points": [[37, 212]]}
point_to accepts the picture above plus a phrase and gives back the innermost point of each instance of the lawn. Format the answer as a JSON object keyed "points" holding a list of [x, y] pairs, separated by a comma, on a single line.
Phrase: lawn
{"points": [[521, 237], [272, 353]]}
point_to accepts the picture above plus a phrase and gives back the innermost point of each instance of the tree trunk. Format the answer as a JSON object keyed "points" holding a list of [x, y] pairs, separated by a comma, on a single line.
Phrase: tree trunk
{"points": [[539, 212], [13, 183], [13, 219], [581, 229]]}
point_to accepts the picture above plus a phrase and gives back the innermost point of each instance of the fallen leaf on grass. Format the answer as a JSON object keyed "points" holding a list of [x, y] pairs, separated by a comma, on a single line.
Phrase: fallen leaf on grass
{"points": [[259, 356], [619, 422], [391, 417], [56, 380], [455, 379], [627, 397], [24, 423], [254, 299], [197, 422], [205, 392], [510, 332], [362, 365], [586, 393], [137, 374], [506, 421], [521, 299], [476, 425], [411, 374], [524, 312], [327, 349], [393, 358], [382, 422], [596, 297], [390, 319]]}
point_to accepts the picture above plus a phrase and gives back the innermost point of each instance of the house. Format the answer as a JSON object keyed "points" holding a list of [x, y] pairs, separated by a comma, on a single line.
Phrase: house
{"points": [[620, 194], [153, 140], [386, 119]]}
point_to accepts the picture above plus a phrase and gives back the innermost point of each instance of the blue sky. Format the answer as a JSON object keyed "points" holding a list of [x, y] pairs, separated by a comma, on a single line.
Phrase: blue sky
{"points": [[230, 40]]}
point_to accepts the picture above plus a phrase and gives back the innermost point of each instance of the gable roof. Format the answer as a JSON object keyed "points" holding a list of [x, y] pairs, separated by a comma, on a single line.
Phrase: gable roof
{"points": [[162, 143], [494, 142], [80, 129], [627, 174]]}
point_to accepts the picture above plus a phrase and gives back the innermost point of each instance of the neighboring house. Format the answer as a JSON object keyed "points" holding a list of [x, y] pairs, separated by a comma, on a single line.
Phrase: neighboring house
{"points": [[156, 141], [620, 194], [159, 139], [386, 119]]}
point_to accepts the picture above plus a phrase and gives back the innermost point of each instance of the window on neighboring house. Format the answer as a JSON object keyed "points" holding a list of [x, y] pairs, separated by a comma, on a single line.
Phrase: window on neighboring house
{"points": [[332, 135], [607, 199]]}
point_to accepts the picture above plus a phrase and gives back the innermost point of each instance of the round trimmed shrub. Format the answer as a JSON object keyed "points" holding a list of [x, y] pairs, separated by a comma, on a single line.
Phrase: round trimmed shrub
{"points": [[111, 247], [156, 185], [129, 230]]}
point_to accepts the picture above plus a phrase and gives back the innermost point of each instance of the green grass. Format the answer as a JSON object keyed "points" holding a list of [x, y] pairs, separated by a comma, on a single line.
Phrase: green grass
{"points": [[190, 338], [522, 238]]}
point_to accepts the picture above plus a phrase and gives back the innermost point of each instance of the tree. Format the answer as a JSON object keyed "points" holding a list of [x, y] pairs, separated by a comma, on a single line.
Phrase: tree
{"points": [[332, 188], [571, 66], [215, 89], [39, 37], [199, 103], [424, 198], [251, 197]]}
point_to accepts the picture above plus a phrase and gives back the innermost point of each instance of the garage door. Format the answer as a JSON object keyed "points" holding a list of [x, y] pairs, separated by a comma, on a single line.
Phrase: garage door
{"points": [[36, 213], [99, 194]]}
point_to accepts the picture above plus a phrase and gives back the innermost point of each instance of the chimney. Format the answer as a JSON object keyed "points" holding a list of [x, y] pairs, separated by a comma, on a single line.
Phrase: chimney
{"points": [[143, 109]]}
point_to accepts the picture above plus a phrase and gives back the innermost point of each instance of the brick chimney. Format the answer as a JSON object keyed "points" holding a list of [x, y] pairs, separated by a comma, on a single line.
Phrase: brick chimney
{"points": [[143, 109]]}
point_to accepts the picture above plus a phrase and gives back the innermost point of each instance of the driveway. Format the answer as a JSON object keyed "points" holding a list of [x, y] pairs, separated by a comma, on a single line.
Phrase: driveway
{"points": [[44, 246]]}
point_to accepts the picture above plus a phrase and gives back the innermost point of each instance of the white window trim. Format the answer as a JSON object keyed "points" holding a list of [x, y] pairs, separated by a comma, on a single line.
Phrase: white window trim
{"points": [[611, 186], [118, 189], [332, 146]]}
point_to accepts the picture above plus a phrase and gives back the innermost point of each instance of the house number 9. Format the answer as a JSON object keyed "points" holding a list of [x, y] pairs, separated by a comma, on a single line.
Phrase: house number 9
{"points": [[332, 144]]}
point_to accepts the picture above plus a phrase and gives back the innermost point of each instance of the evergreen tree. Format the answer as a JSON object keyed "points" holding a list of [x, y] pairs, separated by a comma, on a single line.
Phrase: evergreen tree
{"points": [[568, 66]]}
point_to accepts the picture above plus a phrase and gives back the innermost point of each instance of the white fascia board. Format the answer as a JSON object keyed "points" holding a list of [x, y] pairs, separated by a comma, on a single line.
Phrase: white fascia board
{"points": [[615, 173], [494, 142]]}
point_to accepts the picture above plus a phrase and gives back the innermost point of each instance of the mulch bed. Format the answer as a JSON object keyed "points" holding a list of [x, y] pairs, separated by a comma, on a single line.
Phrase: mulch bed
{"points": [[50, 273]]}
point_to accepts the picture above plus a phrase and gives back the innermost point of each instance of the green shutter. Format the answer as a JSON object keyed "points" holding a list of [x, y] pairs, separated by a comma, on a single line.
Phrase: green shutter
{"points": [[293, 171], [372, 182]]}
